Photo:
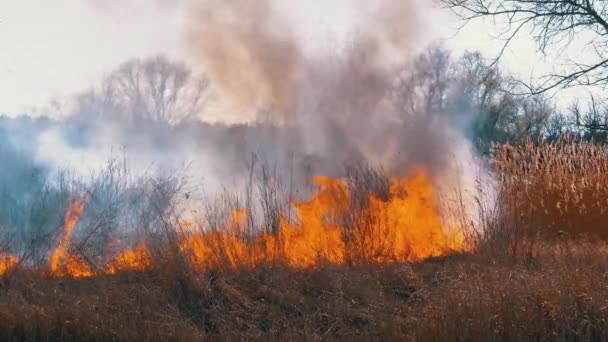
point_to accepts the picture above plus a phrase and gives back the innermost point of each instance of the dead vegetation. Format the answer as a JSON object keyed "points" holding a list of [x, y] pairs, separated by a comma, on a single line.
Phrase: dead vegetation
{"points": [[550, 190], [536, 269]]}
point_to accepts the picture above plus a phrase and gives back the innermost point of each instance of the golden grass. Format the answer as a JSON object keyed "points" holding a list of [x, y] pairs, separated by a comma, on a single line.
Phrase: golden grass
{"points": [[551, 212], [555, 187], [560, 295]]}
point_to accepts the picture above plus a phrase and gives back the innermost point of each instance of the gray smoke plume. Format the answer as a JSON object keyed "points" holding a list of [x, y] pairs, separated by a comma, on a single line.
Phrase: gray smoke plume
{"points": [[255, 59], [249, 54], [301, 114], [305, 113], [336, 103]]}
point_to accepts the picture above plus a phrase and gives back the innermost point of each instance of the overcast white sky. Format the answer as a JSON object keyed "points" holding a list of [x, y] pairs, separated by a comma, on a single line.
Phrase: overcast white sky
{"points": [[51, 49]]}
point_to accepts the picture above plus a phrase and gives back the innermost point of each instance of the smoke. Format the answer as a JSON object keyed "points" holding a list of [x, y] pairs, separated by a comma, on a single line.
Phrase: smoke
{"points": [[308, 111], [116, 6], [249, 54], [257, 61], [336, 105], [302, 111], [338, 99]]}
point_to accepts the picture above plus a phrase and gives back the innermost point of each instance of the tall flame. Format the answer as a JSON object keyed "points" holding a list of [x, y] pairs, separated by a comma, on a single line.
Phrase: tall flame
{"points": [[331, 228], [405, 227], [62, 263], [7, 263], [225, 246]]}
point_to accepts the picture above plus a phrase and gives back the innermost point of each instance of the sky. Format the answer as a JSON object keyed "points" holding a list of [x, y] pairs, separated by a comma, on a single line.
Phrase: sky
{"points": [[52, 49]]}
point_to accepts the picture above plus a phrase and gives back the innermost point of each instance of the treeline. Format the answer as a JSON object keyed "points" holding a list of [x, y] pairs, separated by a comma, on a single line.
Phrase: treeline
{"points": [[470, 90], [474, 93], [156, 104]]}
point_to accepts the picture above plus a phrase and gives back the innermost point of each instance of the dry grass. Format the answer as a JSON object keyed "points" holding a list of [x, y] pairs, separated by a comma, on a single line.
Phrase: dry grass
{"points": [[560, 296], [546, 191], [543, 280], [558, 186]]}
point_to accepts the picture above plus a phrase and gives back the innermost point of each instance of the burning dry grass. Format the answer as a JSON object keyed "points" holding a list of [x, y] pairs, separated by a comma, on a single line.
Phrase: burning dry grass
{"points": [[335, 226], [63, 264], [364, 257], [7, 262], [558, 297]]}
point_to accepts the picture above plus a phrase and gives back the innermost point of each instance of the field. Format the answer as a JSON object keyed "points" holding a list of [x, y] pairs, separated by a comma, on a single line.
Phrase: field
{"points": [[365, 257]]}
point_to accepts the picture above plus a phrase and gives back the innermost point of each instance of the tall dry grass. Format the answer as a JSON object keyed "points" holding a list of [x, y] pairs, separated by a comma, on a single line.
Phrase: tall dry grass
{"points": [[558, 295], [549, 190], [549, 215]]}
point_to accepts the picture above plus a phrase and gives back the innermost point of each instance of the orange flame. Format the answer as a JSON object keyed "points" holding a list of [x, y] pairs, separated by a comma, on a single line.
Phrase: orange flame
{"points": [[224, 246], [7, 263], [405, 226], [317, 237], [63, 264], [137, 259]]}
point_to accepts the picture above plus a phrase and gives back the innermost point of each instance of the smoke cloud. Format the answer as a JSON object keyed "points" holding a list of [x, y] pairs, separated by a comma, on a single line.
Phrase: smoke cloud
{"points": [[336, 102], [301, 112], [256, 60], [304, 112], [249, 54]]}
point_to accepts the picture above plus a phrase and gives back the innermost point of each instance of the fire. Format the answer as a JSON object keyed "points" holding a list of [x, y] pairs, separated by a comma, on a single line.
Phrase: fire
{"points": [[137, 259], [317, 237], [7, 263], [405, 227], [224, 246], [331, 228], [62, 263]]}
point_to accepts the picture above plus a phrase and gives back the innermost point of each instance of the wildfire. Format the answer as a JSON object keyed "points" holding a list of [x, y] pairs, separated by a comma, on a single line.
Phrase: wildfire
{"points": [[225, 245], [7, 262], [137, 259], [62, 263], [404, 225], [317, 237]]}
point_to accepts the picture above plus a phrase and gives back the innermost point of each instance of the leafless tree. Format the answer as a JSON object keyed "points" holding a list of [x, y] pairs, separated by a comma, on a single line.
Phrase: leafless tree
{"points": [[422, 86], [553, 24], [593, 119], [155, 88], [534, 117], [477, 85]]}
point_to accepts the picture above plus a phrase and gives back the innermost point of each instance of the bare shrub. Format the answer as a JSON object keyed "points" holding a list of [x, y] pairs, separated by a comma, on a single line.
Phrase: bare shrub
{"points": [[366, 235]]}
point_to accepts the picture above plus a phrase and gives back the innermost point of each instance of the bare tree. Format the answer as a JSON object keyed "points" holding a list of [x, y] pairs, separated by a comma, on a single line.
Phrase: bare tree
{"points": [[471, 92], [591, 119], [553, 23], [558, 126], [422, 87], [156, 89], [477, 85]]}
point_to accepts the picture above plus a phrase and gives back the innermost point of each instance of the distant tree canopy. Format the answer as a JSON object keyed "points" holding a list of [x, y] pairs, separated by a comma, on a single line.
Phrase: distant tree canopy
{"points": [[470, 91], [555, 24], [473, 94], [156, 89]]}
